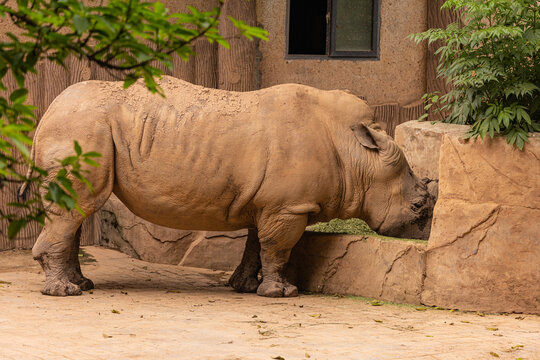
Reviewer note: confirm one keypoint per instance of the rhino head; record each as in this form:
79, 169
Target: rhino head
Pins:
396, 202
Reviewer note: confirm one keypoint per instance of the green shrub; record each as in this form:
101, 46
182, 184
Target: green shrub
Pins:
492, 62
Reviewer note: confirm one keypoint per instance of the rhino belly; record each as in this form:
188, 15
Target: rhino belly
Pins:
174, 200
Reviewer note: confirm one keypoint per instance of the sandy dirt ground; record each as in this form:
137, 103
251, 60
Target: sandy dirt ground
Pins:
149, 311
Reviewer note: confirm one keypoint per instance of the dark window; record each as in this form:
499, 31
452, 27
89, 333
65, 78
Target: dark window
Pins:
307, 27
333, 28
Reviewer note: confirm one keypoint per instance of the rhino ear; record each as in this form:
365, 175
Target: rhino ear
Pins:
367, 137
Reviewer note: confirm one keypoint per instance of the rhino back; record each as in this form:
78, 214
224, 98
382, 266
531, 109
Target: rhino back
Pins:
216, 158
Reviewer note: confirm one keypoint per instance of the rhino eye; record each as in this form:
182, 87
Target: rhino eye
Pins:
418, 204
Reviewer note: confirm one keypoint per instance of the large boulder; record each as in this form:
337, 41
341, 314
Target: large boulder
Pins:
421, 143
484, 248
383, 268
216, 250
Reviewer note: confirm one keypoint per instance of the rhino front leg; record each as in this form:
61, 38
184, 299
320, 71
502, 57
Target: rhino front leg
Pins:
278, 234
245, 278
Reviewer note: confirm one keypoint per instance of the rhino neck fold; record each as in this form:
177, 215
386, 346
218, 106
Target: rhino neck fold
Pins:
357, 168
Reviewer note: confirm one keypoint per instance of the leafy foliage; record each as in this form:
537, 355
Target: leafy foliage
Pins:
492, 62
130, 36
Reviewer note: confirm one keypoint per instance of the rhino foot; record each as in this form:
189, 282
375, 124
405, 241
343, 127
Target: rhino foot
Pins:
76, 277
242, 283
277, 289
85, 284
60, 288
245, 278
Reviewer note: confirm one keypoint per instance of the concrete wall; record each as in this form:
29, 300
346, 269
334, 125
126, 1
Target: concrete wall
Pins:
398, 77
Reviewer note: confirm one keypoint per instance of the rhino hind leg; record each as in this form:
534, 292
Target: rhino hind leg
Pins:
245, 278
54, 250
278, 234
75, 274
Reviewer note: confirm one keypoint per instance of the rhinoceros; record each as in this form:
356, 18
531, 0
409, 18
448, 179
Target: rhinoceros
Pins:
273, 160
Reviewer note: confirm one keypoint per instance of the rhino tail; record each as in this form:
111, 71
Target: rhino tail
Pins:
23, 190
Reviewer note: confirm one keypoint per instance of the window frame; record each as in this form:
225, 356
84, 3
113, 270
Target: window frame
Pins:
331, 52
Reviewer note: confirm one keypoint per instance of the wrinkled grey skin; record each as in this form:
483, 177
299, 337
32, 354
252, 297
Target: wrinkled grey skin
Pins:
274, 160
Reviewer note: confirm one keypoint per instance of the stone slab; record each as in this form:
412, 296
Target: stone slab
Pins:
484, 248
421, 143
216, 250
388, 269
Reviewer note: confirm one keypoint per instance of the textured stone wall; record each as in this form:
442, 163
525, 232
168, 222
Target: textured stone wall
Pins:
388, 269
484, 248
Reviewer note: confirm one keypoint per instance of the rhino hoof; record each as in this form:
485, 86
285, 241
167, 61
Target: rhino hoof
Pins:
247, 285
245, 280
244, 284
277, 289
290, 291
86, 284
61, 288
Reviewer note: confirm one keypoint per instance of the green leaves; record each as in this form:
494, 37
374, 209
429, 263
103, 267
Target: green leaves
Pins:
15, 226
18, 96
61, 190
518, 137
520, 90
249, 31
77, 148
492, 62
81, 24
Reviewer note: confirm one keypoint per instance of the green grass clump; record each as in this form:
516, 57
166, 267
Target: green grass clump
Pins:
338, 226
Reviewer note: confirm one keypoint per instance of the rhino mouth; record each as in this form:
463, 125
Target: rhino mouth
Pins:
418, 226
423, 221
424, 217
